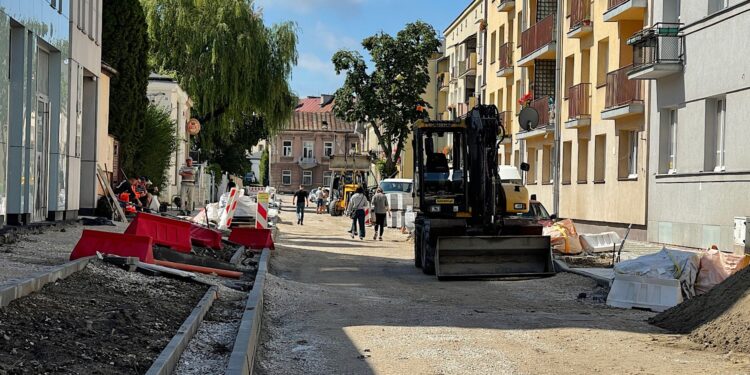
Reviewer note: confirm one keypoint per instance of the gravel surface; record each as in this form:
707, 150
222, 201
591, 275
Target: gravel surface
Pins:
34, 253
341, 306
101, 320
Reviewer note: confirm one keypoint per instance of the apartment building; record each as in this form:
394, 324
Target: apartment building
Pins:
299, 155
694, 57
464, 49
49, 91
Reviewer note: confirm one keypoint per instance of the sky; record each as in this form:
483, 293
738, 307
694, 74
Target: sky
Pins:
326, 26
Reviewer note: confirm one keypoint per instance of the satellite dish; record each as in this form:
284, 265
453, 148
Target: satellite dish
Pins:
528, 118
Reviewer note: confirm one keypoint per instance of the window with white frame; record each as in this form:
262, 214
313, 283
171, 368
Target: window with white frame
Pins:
716, 5
627, 163
308, 149
286, 177
720, 132
633, 154
286, 148
327, 178
328, 149
307, 178
672, 142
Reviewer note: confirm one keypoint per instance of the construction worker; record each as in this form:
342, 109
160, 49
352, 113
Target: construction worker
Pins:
187, 172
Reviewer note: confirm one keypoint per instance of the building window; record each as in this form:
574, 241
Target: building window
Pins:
308, 149
716, 5
531, 160
327, 178
328, 149
583, 161
287, 148
353, 148
672, 142
628, 155
286, 177
516, 159
547, 167
566, 162
600, 157
493, 47
720, 134
307, 178
261, 147
602, 64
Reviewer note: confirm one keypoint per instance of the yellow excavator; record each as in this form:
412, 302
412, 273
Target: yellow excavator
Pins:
348, 173
468, 223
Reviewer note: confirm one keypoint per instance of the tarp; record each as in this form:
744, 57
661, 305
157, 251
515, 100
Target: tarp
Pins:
715, 267
564, 237
666, 264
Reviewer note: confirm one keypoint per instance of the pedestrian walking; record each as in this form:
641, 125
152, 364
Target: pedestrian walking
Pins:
301, 200
356, 209
187, 185
380, 206
320, 207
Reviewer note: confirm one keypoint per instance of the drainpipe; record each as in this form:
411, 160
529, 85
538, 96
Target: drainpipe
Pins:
558, 109
484, 53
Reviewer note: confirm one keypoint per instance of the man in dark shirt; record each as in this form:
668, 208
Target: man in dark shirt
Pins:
301, 200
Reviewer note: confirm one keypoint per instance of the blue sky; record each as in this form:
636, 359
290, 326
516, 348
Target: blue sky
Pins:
329, 25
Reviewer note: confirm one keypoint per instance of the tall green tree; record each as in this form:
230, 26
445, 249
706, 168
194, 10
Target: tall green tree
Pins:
232, 65
263, 168
125, 48
387, 98
155, 150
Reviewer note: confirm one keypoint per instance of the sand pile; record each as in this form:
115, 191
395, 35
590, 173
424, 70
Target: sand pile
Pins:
719, 318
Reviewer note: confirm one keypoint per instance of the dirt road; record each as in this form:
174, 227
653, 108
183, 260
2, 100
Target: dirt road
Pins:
340, 306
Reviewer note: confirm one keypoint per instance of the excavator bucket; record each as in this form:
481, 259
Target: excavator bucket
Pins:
493, 256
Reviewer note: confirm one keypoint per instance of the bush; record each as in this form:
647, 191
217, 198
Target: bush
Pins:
157, 143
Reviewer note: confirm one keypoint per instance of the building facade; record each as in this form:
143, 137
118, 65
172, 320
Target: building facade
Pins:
165, 93
299, 155
694, 59
49, 94
464, 42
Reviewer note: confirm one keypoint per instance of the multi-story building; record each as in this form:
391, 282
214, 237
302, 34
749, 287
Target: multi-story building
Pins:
165, 93
299, 155
49, 93
464, 41
694, 56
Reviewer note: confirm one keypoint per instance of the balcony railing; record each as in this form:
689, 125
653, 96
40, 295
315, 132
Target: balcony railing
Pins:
616, 3
579, 101
580, 13
537, 36
468, 66
621, 90
505, 5
307, 163
659, 44
505, 56
542, 107
443, 80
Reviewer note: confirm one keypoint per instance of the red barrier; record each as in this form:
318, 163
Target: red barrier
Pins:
164, 231
205, 237
124, 245
252, 238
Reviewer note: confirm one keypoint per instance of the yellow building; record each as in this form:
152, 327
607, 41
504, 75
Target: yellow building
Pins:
464, 41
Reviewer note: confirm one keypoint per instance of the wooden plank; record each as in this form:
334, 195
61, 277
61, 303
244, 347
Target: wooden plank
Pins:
108, 188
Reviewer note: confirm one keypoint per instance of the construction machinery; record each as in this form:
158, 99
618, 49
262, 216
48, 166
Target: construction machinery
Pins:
468, 223
349, 172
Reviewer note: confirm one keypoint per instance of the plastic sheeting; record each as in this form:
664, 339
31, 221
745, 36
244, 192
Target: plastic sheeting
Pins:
715, 267
564, 237
666, 264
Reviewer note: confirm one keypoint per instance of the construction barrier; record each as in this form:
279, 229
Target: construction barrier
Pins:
124, 245
206, 237
253, 238
225, 221
261, 213
164, 231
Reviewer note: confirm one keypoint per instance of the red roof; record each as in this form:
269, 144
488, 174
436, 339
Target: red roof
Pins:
302, 121
312, 104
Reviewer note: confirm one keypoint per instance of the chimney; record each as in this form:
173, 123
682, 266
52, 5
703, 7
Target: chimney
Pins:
325, 99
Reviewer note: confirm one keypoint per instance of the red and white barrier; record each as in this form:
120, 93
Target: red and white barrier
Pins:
261, 213
227, 214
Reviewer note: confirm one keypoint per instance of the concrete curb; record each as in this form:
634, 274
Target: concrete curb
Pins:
601, 281
248, 336
167, 360
34, 283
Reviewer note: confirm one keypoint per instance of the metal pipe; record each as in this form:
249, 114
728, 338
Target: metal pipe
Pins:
558, 110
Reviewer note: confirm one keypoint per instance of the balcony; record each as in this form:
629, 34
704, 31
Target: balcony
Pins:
625, 10
580, 19
544, 127
506, 5
463, 108
308, 163
579, 106
538, 42
468, 67
505, 60
624, 96
657, 52
444, 79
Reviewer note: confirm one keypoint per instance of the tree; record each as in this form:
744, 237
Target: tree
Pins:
155, 150
125, 48
231, 152
388, 97
233, 67
263, 168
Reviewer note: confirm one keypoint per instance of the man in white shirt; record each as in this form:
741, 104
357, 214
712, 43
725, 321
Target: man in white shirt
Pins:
188, 184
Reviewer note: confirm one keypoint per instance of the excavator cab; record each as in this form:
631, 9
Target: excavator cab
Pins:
468, 223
